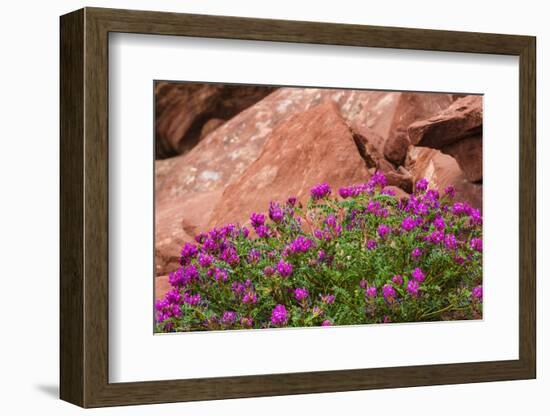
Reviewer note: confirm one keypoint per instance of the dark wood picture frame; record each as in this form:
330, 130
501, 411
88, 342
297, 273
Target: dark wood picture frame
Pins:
84, 207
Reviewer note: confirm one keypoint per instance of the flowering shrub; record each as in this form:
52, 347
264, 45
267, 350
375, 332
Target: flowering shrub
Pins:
362, 257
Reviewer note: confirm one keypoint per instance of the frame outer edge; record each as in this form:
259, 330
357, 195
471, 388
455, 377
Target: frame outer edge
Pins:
84, 233
528, 207
71, 319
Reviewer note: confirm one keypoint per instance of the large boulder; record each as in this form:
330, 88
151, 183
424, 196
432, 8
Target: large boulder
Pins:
456, 131
177, 221
311, 147
411, 107
221, 157
186, 111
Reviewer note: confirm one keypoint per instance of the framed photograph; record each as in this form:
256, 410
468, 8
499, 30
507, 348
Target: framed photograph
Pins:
255, 207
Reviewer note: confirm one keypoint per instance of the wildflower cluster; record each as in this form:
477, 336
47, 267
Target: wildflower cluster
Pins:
357, 256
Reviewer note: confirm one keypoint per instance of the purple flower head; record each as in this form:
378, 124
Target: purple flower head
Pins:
408, 223
363, 284
284, 269
370, 292
191, 299
300, 245
320, 191
188, 252
435, 237
328, 299
475, 217
371, 244
450, 191
412, 287
388, 192
269, 271
250, 297
257, 219
220, 275
377, 179
461, 208
388, 292
459, 260
275, 212
345, 192
262, 231
254, 255
416, 253
397, 279
209, 245
439, 223
279, 315
229, 317
476, 244
291, 201
422, 184
245, 231
383, 230
301, 293
321, 255
316, 311
326, 322
173, 296
205, 260
477, 293
418, 275
450, 241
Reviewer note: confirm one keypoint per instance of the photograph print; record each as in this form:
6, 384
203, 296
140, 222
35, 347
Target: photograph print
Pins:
293, 207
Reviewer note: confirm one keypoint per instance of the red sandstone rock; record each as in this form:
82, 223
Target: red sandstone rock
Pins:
311, 147
183, 109
221, 157
456, 131
161, 286
177, 221
468, 153
410, 108
462, 119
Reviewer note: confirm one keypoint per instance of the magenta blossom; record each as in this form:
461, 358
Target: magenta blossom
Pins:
326, 322
301, 293
477, 293
450, 241
416, 253
412, 287
418, 275
476, 244
422, 184
257, 219
279, 315
370, 292
320, 191
408, 223
383, 230
229, 317
388, 292
284, 269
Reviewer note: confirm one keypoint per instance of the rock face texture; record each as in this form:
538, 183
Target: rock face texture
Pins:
282, 143
411, 107
456, 131
187, 112
311, 147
